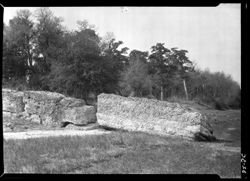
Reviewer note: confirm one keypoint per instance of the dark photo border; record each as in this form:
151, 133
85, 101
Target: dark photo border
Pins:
245, 92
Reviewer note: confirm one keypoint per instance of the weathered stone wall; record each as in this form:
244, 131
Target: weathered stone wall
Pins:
152, 116
47, 108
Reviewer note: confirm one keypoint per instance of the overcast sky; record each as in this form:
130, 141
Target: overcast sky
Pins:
212, 35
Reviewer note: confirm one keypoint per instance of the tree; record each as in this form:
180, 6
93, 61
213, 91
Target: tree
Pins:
49, 37
18, 44
118, 57
84, 24
73, 71
136, 80
105, 42
182, 65
12, 65
50, 45
159, 64
215, 89
82, 68
136, 54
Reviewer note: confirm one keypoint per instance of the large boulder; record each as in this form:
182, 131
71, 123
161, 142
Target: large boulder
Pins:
152, 116
47, 108
79, 115
9, 118
72, 102
12, 101
43, 106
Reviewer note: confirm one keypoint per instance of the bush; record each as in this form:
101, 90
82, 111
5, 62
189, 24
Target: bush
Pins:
215, 89
15, 84
220, 105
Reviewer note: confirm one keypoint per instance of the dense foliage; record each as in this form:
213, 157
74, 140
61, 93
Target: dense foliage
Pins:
41, 54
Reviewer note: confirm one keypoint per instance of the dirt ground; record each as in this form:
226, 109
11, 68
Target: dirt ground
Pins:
49, 133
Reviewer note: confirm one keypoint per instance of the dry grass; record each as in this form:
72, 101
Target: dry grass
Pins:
118, 152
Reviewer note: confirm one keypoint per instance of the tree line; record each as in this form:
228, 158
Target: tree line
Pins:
39, 53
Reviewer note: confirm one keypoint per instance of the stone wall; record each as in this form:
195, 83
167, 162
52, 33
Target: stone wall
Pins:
47, 108
152, 116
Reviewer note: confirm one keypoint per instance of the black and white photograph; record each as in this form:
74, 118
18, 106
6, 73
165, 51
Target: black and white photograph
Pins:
122, 90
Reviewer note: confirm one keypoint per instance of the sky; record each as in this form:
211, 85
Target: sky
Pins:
212, 35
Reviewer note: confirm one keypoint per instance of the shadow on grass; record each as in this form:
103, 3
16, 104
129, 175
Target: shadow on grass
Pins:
114, 129
222, 141
198, 137
201, 138
109, 128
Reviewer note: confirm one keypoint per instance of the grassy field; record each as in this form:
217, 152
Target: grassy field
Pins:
131, 152
118, 152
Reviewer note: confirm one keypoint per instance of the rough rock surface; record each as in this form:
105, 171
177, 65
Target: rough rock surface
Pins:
12, 101
152, 116
42, 106
47, 108
79, 115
